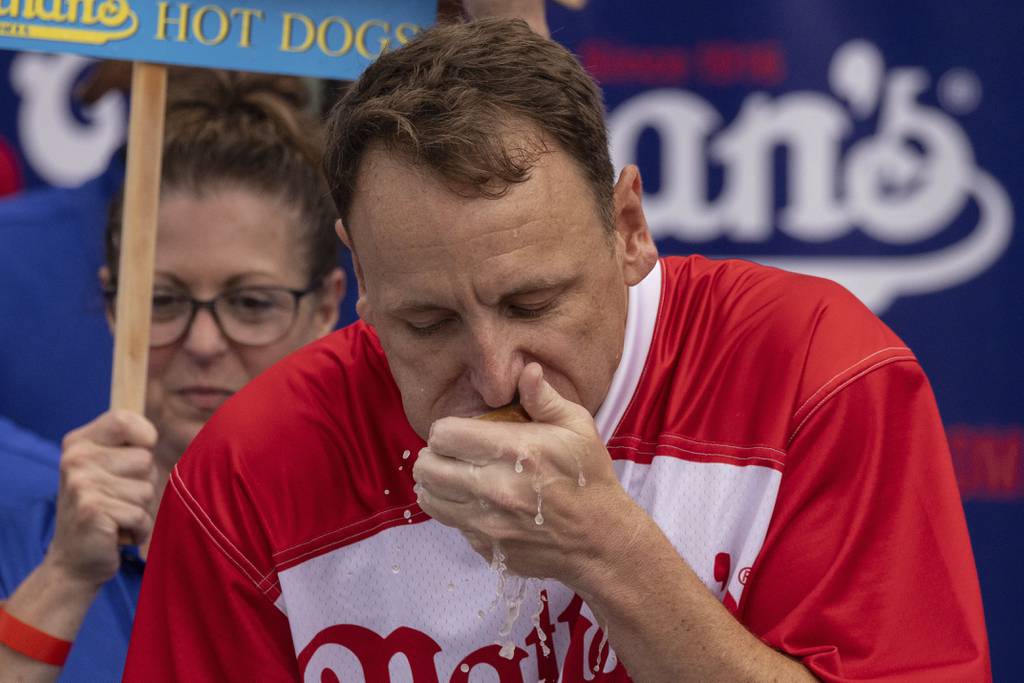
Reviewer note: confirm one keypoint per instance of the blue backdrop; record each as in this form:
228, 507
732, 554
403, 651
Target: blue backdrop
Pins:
868, 141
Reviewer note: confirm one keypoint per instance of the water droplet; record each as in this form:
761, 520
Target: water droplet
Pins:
406, 454
395, 568
519, 467
480, 614
407, 514
539, 519
541, 636
464, 668
483, 504
387, 492
582, 481
601, 647
451, 587
401, 467
596, 668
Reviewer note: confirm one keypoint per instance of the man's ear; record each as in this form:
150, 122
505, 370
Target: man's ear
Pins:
635, 244
106, 279
346, 239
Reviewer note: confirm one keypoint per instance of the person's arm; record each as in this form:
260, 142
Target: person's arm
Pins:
592, 539
107, 483
668, 627
866, 572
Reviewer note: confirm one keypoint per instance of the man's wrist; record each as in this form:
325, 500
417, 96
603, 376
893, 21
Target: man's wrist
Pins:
613, 552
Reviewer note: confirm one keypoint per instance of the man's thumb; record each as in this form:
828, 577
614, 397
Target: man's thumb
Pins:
542, 402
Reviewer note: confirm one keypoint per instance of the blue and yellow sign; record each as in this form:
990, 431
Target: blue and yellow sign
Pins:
324, 38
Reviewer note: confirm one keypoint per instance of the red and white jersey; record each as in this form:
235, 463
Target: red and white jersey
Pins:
782, 437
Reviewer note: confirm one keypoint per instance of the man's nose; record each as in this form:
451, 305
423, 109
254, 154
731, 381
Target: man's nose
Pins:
495, 366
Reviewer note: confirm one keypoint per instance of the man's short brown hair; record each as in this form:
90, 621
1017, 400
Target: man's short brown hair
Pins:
456, 99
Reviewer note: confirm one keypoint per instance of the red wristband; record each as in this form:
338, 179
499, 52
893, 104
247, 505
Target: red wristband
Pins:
32, 642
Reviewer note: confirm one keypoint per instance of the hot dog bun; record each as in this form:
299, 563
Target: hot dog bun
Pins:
513, 412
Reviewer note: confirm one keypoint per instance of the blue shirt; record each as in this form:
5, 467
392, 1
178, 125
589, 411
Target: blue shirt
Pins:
28, 496
55, 342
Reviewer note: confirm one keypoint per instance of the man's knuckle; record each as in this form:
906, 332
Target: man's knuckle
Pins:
510, 450
504, 499
438, 430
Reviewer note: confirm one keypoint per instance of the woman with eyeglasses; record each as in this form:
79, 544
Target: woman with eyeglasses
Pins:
245, 273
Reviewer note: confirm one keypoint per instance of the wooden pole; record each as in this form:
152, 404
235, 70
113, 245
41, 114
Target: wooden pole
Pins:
138, 240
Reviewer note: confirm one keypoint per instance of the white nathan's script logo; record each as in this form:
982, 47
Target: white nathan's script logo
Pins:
904, 184
61, 149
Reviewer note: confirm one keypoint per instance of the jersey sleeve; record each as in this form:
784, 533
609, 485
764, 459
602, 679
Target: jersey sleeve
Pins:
206, 611
866, 572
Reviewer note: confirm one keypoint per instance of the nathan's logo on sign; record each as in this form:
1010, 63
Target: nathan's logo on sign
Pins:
87, 22
322, 38
909, 188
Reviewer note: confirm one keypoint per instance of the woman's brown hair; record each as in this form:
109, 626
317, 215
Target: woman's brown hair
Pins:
250, 130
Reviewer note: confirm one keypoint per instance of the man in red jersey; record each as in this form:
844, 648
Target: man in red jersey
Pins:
731, 472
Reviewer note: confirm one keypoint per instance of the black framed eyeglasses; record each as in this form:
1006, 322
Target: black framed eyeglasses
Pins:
249, 316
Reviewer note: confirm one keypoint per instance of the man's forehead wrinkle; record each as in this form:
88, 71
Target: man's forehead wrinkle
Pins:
507, 228
397, 192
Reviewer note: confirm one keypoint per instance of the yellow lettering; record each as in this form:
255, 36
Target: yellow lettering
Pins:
286, 32
88, 12
406, 32
247, 14
222, 30
11, 9
163, 20
37, 10
114, 12
71, 14
361, 38
321, 36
